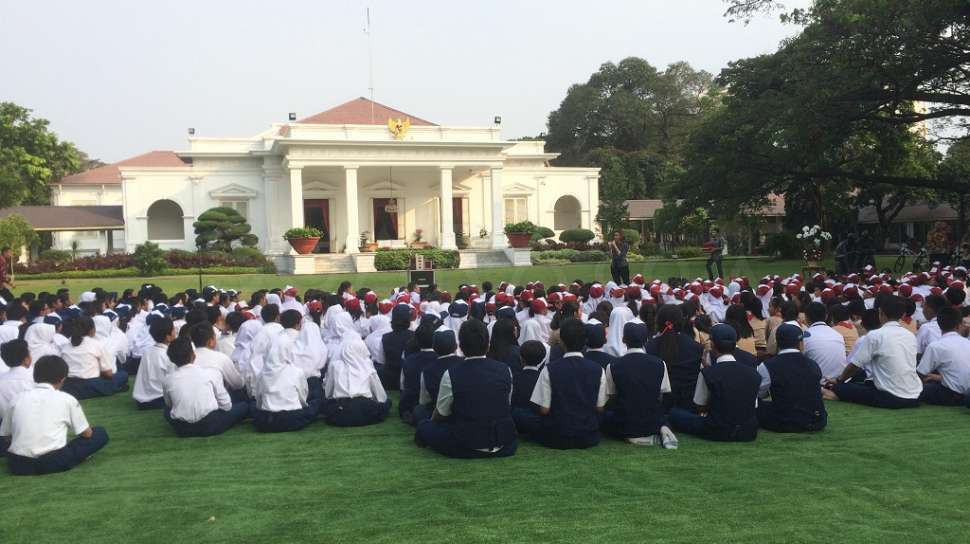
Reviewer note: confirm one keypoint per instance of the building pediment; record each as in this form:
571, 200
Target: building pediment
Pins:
518, 189
233, 190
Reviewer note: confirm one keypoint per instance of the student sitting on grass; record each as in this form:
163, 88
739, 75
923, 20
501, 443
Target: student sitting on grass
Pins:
206, 356
636, 383
354, 395
197, 403
570, 395
595, 342
445, 346
154, 366
889, 354
412, 367
472, 418
17, 379
726, 395
92, 368
533, 353
792, 379
282, 402
36, 427
945, 366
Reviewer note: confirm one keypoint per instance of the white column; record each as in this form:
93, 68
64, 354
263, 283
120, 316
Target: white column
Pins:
447, 238
296, 198
350, 200
498, 216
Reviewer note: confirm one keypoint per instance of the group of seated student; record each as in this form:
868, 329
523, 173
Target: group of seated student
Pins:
561, 366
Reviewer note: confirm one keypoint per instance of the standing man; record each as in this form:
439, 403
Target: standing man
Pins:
6, 274
619, 267
716, 244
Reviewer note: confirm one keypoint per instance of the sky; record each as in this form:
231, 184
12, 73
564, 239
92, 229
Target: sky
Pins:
122, 78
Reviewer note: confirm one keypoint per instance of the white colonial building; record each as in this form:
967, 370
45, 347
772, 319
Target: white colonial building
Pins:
358, 172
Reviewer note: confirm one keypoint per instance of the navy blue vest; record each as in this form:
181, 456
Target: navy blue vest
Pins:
575, 383
525, 384
637, 377
795, 396
480, 411
433, 372
741, 356
684, 371
411, 369
731, 409
394, 344
600, 357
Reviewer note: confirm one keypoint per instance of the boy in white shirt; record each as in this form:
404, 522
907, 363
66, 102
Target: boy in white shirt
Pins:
197, 404
16, 357
206, 356
945, 366
154, 366
37, 424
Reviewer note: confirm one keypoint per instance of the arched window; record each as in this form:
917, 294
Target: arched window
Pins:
165, 221
567, 213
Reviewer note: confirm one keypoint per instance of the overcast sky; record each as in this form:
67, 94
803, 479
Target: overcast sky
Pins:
122, 78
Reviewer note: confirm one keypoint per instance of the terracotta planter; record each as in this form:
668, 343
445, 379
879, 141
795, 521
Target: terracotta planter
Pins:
519, 240
304, 246
370, 247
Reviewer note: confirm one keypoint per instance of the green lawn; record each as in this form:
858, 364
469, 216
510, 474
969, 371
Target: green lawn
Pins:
382, 282
873, 476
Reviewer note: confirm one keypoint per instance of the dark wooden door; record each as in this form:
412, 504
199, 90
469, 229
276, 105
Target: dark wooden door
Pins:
385, 222
316, 213
458, 215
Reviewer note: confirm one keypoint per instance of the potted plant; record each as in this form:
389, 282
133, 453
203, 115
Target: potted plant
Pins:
520, 234
813, 240
365, 244
417, 243
303, 240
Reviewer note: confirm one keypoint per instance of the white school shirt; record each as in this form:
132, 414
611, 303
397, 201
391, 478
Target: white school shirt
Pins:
889, 354
226, 344
826, 347
154, 366
14, 382
282, 389
193, 392
38, 422
220, 362
87, 360
949, 357
611, 385
927, 334
542, 394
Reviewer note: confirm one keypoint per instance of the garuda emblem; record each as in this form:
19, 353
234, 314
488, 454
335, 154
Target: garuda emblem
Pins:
399, 127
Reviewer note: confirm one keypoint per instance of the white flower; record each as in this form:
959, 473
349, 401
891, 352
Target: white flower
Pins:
799, 236
816, 227
805, 229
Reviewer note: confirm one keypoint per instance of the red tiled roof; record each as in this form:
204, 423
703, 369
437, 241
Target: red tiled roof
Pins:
110, 174
359, 111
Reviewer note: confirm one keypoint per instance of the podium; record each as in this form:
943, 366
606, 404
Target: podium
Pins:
421, 271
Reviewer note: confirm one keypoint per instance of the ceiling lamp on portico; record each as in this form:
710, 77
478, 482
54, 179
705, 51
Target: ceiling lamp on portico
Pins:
391, 206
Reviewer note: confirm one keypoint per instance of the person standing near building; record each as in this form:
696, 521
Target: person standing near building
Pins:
6, 274
620, 267
717, 245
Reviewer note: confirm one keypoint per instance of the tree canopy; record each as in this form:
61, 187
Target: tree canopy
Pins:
218, 228
31, 156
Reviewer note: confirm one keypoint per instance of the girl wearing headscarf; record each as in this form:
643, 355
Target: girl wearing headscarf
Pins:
619, 317
380, 324
457, 314
354, 394
282, 391
309, 354
40, 340
244, 342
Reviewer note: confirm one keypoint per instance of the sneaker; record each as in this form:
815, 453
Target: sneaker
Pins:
643, 440
668, 438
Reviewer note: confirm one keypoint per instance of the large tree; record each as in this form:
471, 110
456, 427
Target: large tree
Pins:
31, 156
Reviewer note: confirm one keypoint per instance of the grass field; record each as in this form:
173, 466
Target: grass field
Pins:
382, 282
873, 476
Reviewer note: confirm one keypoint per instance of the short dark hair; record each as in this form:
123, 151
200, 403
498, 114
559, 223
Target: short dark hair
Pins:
50, 369
160, 328
290, 318
424, 335
955, 296
935, 302
893, 307
15, 312
235, 320
815, 312
870, 319
213, 313
473, 338
839, 313
269, 313
201, 334
532, 352
180, 351
948, 319
14, 352
789, 344
572, 333
789, 311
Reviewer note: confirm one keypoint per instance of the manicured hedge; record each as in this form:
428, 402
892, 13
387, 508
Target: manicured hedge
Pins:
399, 259
131, 272
175, 258
581, 236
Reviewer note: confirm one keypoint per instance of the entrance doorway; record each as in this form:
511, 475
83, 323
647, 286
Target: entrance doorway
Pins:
459, 216
385, 222
316, 214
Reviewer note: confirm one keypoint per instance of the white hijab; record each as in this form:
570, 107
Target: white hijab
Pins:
274, 365
40, 341
244, 341
351, 372
309, 352
620, 316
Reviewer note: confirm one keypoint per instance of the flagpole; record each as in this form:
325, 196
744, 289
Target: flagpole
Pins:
370, 66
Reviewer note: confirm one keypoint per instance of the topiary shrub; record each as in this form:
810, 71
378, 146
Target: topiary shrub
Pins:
632, 237
541, 233
527, 227
576, 236
217, 228
149, 259
399, 259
